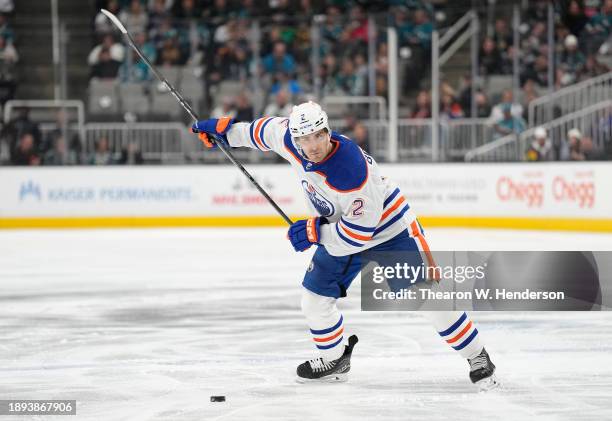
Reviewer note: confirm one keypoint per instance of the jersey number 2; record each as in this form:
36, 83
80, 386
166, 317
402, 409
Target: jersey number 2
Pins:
356, 207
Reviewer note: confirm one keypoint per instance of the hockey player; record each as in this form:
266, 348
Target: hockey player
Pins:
357, 209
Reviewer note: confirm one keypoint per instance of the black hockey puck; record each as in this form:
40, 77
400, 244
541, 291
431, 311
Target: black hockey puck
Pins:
217, 398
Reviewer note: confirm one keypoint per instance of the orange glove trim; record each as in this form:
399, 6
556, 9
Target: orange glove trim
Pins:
311, 231
205, 140
222, 124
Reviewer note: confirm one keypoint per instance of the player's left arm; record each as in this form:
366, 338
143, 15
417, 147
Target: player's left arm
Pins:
264, 134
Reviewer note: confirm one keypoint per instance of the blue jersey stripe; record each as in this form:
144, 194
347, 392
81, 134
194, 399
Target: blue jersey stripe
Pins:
351, 242
251, 135
390, 198
261, 135
332, 345
357, 227
392, 220
454, 326
467, 341
328, 330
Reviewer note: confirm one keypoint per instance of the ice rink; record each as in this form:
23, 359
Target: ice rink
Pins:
148, 324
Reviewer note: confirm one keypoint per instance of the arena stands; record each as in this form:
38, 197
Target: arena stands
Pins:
244, 58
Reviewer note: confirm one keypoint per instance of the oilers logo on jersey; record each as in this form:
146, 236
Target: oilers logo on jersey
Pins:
321, 204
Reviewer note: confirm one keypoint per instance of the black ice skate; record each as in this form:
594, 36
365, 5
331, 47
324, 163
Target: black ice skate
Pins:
482, 371
330, 371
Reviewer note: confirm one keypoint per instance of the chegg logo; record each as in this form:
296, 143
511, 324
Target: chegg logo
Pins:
530, 192
582, 192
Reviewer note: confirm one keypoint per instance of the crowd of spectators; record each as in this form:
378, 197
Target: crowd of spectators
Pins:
62, 145
273, 54
509, 116
582, 35
220, 35
8, 53
573, 146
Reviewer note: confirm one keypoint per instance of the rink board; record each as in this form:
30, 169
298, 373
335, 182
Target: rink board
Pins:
552, 196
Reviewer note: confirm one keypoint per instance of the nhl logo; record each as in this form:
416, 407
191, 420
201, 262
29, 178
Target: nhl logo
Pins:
310, 266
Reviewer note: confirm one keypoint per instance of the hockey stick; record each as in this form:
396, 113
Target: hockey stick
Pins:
188, 108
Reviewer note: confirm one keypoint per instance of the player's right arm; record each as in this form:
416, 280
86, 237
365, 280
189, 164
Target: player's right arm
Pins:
264, 134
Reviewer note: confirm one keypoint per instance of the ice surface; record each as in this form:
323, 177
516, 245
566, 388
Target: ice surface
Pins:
147, 324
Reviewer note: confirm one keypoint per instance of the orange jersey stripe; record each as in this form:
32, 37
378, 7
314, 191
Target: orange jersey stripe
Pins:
425, 247
416, 233
456, 338
257, 138
392, 208
329, 338
355, 236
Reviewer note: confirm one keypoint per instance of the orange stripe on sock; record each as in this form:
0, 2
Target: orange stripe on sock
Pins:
456, 338
329, 338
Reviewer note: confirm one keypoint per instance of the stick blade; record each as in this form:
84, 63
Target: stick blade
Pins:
115, 20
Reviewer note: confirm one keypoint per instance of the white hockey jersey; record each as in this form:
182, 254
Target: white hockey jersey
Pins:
363, 207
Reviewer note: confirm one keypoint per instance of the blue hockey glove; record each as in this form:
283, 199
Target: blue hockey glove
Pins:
217, 127
304, 233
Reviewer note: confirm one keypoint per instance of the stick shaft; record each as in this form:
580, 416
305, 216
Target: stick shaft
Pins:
193, 115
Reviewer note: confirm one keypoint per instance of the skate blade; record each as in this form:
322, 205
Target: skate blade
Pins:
487, 384
332, 378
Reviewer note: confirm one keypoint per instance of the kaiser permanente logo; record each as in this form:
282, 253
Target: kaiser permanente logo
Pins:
30, 190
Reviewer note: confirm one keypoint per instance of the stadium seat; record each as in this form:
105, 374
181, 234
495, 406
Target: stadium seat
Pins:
134, 98
495, 84
228, 88
192, 86
172, 74
103, 98
164, 102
